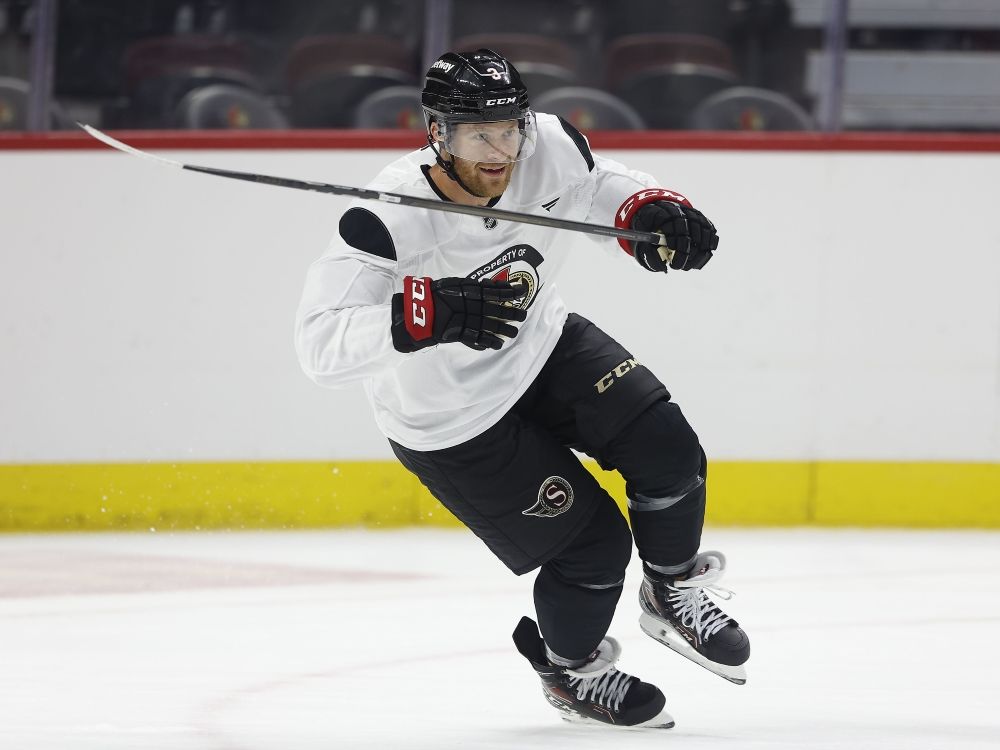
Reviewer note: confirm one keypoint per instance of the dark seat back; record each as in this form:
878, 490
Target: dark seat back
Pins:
392, 107
749, 108
665, 76
589, 109
331, 74
224, 106
160, 71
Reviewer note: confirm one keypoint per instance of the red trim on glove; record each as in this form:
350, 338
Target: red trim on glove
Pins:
623, 219
418, 307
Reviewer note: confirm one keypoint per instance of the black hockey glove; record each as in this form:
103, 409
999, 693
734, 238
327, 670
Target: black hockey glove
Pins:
430, 312
690, 237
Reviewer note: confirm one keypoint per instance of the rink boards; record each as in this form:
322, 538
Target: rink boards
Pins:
839, 359
382, 494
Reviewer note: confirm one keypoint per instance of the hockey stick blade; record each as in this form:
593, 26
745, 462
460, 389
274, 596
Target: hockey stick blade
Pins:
397, 198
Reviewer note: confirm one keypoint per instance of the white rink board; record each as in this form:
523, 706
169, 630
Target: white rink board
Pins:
853, 311
860, 641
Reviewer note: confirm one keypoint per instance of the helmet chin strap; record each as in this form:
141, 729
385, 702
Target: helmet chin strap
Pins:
448, 167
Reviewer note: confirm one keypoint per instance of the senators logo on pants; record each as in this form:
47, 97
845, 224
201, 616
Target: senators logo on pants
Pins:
555, 497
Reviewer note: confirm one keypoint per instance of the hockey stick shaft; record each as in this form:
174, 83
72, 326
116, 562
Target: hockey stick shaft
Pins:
396, 198
436, 205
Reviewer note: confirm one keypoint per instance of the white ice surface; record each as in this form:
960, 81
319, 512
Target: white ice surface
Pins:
294, 641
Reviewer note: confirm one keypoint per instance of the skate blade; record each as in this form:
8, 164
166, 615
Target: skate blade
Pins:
662, 720
674, 641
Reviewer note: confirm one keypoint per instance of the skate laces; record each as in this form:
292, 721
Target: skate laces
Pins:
609, 689
599, 681
690, 602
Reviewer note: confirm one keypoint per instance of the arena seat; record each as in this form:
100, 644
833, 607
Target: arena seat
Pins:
160, 71
331, 74
589, 109
224, 106
392, 107
750, 108
665, 76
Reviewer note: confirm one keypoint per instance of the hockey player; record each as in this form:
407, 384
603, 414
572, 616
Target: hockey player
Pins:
483, 382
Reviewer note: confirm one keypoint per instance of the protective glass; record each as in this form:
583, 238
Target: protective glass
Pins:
498, 142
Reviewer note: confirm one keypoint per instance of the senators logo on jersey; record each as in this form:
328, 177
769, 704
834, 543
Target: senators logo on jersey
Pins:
517, 265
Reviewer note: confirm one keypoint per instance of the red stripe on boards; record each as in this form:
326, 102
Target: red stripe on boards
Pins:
401, 140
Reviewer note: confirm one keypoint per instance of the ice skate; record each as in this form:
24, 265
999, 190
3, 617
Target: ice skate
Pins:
678, 613
597, 692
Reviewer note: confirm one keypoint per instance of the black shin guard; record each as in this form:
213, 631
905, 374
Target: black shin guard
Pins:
664, 467
668, 530
573, 618
576, 593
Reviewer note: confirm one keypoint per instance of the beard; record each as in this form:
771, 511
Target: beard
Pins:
484, 179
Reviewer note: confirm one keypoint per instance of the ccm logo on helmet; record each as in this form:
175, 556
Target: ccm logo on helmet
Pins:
497, 102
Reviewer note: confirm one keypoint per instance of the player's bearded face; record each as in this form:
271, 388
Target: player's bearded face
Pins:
484, 155
484, 179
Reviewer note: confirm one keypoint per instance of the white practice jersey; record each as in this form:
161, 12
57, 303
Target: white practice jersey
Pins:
446, 394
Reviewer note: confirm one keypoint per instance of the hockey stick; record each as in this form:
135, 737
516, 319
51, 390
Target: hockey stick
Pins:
397, 198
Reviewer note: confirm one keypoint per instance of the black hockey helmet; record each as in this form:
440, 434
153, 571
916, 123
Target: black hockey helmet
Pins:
477, 87
480, 86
